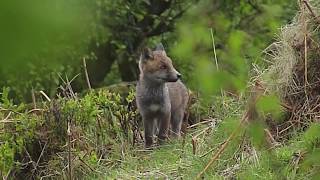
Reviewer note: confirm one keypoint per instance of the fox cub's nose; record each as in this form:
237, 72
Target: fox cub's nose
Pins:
179, 75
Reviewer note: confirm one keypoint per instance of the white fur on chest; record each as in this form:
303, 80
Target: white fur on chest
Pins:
154, 107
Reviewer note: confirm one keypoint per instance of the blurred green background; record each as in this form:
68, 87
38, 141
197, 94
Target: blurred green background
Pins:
41, 41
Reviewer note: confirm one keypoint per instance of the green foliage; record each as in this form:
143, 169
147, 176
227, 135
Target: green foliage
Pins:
241, 31
99, 121
6, 158
257, 134
17, 127
39, 40
42, 40
270, 105
37, 26
311, 138
5, 101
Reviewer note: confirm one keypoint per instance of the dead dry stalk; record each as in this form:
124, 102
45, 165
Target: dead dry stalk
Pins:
216, 59
69, 152
86, 73
305, 32
311, 11
205, 121
45, 95
33, 99
39, 158
194, 139
214, 49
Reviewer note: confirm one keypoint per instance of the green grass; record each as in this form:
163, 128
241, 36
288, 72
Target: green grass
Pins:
174, 160
240, 160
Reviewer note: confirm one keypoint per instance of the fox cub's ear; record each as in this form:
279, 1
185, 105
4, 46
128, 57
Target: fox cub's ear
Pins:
160, 47
146, 54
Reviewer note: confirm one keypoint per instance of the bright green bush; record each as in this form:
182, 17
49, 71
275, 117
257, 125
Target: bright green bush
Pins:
98, 121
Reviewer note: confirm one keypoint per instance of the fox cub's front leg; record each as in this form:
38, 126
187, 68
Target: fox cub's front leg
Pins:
163, 128
148, 131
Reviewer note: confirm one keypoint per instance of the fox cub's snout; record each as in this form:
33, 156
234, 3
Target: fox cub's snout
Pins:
157, 66
161, 97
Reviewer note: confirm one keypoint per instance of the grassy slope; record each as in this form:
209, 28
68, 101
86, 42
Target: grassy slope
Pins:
246, 156
173, 160
243, 158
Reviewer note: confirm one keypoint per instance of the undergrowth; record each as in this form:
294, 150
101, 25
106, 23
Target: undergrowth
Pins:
34, 144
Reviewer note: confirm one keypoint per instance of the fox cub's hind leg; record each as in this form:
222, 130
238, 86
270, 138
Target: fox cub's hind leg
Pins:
176, 123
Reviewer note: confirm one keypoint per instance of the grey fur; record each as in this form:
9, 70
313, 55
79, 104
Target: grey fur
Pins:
161, 103
159, 47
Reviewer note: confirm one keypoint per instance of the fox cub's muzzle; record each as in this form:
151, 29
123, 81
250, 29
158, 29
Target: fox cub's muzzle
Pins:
179, 76
175, 77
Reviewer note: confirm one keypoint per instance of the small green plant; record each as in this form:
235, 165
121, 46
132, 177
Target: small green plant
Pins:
101, 123
17, 128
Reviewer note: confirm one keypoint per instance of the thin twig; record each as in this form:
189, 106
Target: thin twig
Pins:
305, 60
32, 162
35, 110
7, 117
214, 49
194, 142
5, 177
33, 99
305, 55
41, 154
86, 73
311, 11
70, 87
216, 61
44, 94
270, 138
201, 122
69, 152
203, 131
86, 164
212, 149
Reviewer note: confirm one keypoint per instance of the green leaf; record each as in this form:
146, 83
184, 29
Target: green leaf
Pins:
270, 105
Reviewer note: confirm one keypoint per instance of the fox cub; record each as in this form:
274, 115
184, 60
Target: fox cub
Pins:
161, 97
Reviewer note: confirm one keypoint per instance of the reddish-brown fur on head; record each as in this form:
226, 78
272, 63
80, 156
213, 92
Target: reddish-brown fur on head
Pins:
156, 62
157, 66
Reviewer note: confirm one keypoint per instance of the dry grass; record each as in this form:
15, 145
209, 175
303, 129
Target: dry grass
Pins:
294, 72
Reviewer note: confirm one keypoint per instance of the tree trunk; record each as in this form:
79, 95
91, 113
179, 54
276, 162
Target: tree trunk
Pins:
99, 68
128, 69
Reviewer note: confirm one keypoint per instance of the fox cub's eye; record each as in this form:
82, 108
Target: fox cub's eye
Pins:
163, 66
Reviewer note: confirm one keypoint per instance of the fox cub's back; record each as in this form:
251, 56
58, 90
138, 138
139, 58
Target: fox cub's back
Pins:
178, 94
